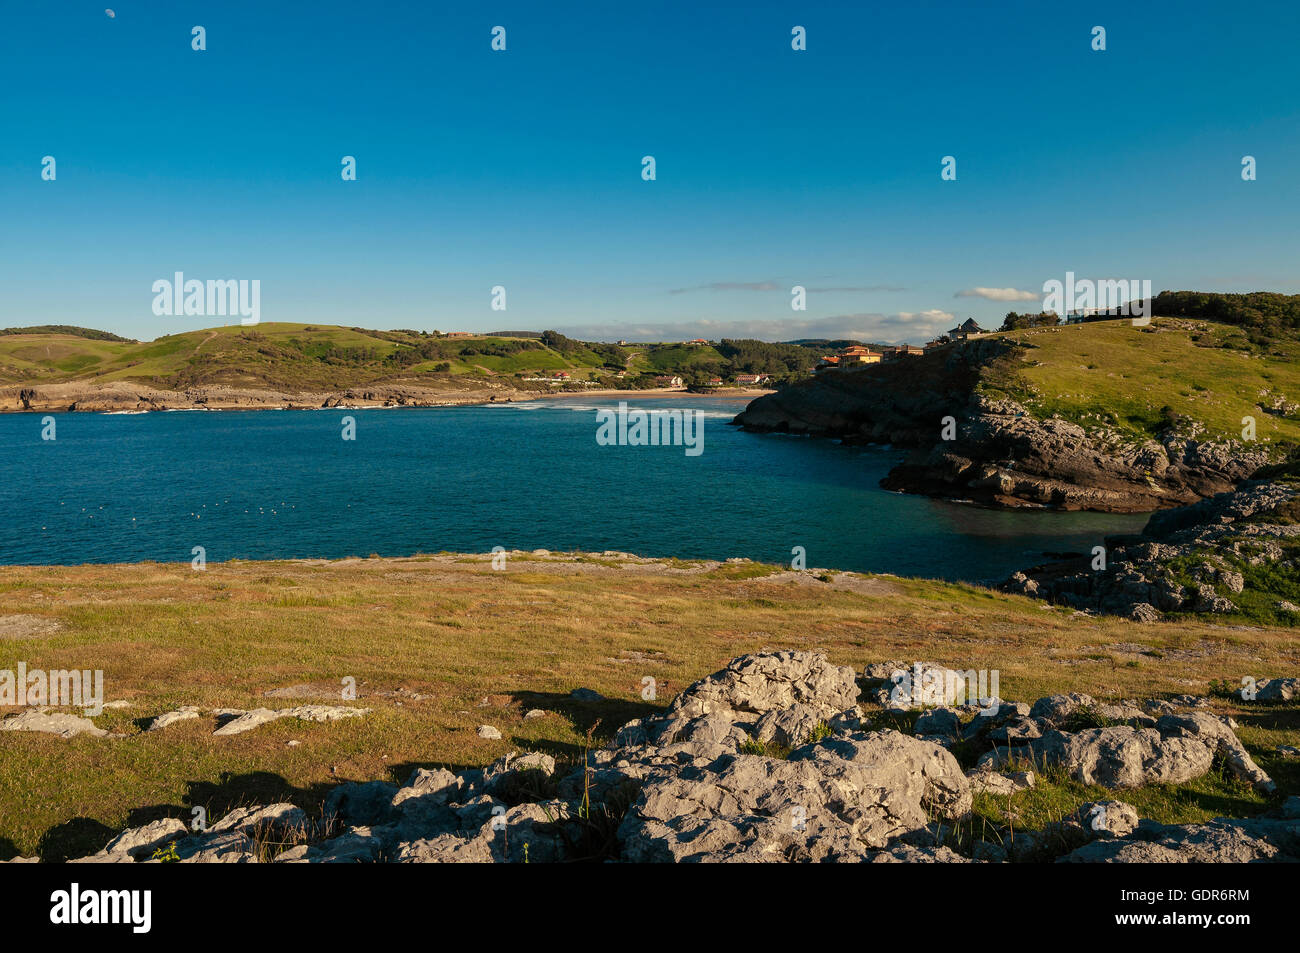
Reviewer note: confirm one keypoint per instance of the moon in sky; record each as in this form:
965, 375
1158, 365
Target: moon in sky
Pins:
111, 14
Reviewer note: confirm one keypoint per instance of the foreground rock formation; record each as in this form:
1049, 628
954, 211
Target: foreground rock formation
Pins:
772, 759
1192, 559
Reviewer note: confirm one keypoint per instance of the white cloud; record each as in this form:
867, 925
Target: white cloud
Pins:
998, 294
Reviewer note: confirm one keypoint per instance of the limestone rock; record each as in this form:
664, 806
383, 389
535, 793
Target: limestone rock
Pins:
248, 720
1278, 690
991, 782
1108, 818
143, 841
834, 799
51, 722
769, 682
184, 713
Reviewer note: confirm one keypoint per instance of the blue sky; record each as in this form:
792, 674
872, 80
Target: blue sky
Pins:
523, 169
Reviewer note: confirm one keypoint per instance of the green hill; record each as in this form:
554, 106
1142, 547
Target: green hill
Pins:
287, 357
1103, 416
1141, 381
278, 356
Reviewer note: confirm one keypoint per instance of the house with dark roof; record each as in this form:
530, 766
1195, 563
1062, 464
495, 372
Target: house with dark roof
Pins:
967, 329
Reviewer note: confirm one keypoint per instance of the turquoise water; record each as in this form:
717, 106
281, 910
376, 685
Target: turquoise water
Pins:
283, 484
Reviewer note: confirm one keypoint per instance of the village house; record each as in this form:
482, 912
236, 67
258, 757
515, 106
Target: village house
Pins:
752, 378
665, 380
967, 329
825, 364
936, 344
903, 350
858, 356
459, 334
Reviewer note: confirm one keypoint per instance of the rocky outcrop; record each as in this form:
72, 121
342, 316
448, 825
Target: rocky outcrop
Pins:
709, 779
777, 681
1274, 690
1272, 838
237, 722
1190, 559
51, 722
996, 452
1003, 455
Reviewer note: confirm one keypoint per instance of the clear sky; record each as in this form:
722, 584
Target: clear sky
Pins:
522, 168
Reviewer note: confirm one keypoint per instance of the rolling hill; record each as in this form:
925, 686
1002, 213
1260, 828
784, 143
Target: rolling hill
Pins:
1103, 415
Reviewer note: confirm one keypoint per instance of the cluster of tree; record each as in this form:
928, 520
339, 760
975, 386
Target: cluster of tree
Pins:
780, 361
426, 349
611, 355
499, 348
1043, 319
430, 348
88, 333
827, 346
558, 342
747, 356
333, 354
326, 352
1262, 314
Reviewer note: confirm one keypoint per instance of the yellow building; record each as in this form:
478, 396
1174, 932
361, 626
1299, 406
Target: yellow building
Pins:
858, 355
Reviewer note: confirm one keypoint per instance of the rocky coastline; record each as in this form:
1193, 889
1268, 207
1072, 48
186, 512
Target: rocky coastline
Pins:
1205, 558
126, 397
967, 445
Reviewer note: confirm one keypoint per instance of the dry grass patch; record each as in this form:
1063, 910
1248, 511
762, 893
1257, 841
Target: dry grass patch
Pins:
428, 639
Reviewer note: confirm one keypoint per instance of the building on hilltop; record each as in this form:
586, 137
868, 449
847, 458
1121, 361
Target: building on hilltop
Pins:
967, 329
858, 356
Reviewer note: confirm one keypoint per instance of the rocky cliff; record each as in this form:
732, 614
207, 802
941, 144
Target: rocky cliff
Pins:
973, 443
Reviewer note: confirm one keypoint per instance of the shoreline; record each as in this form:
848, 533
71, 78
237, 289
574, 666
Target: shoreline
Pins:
125, 398
725, 393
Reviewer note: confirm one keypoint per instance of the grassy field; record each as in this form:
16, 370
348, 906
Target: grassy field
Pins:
273, 355
1138, 379
439, 645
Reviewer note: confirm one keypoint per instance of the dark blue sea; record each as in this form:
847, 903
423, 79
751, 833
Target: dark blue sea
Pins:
284, 484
